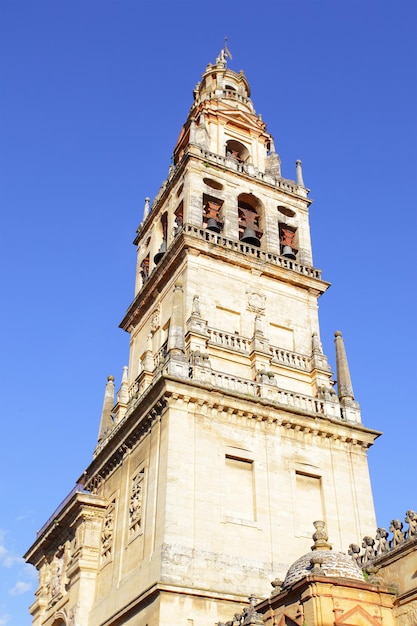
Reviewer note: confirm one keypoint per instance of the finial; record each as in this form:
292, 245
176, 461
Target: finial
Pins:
299, 173
344, 384
196, 306
123, 395
146, 208
106, 422
317, 349
176, 341
320, 537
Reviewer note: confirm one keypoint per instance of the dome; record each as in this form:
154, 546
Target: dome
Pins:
327, 563
322, 561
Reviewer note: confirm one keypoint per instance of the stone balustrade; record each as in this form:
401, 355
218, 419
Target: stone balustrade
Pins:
160, 356
285, 357
225, 93
249, 170
240, 246
257, 389
223, 161
384, 541
229, 340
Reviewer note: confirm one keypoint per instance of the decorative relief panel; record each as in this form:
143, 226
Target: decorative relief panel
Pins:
108, 531
256, 301
135, 504
155, 320
56, 575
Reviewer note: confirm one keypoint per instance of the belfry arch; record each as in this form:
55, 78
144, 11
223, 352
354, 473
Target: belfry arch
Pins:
237, 151
250, 217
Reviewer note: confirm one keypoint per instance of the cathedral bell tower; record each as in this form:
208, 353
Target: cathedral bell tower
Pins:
226, 439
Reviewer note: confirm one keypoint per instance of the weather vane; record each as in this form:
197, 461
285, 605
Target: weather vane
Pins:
226, 50
224, 54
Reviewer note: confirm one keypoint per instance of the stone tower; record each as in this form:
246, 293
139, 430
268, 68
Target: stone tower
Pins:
226, 439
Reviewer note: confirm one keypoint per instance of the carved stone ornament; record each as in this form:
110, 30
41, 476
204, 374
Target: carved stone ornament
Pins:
156, 320
248, 617
56, 570
135, 504
108, 529
374, 548
256, 301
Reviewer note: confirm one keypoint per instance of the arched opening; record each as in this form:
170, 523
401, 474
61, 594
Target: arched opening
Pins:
250, 212
288, 241
163, 247
237, 151
212, 219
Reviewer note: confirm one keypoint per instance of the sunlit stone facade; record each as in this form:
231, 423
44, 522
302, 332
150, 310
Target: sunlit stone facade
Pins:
226, 439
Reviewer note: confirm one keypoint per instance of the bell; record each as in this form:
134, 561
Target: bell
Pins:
158, 256
212, 225
287, 251
249, 237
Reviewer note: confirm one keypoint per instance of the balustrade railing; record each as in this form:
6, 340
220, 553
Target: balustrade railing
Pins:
285, 357
160, 356
240, 246
257, 389
251, 171
229, 340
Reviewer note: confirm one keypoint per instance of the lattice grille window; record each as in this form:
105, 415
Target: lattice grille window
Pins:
135, 504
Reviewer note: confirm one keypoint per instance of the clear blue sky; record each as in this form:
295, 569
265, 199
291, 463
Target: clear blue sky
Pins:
93, 96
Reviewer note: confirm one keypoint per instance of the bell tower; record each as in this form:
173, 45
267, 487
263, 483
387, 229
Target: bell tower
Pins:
226, 439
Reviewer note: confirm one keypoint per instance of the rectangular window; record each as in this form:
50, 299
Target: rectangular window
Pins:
309, 502
239, 489
227, 320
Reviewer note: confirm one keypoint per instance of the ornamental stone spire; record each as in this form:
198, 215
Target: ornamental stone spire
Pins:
123, 395
344, 384
299, 173
106, 422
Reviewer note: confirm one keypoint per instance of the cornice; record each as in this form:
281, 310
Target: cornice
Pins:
238, 408
229, 406
57, 529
